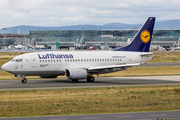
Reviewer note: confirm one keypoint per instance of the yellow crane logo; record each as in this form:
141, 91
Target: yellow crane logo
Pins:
145, 36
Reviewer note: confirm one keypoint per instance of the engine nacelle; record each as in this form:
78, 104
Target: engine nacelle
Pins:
76, 73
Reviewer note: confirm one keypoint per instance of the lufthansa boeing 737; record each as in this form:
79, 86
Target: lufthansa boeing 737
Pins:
77, 65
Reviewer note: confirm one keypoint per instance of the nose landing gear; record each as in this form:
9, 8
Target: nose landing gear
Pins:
24, 80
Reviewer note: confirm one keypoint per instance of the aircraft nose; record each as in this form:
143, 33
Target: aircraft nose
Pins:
6, 67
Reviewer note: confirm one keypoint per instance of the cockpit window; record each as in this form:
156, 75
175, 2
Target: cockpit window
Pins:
16, 60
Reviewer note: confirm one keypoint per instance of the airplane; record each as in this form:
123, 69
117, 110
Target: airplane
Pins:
19, 47
16, 47
76, 65
39, 47
92, 48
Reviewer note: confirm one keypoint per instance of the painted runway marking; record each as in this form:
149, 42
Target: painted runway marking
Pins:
59, 119
159, 115
124, 116
90, 118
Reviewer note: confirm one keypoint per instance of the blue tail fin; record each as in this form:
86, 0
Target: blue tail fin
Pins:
142, 40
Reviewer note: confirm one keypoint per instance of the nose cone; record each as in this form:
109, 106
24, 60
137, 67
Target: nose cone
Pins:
6, 67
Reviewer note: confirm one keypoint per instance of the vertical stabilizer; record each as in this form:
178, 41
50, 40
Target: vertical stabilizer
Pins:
142, 40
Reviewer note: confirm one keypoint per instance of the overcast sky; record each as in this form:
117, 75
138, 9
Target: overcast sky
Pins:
79, 12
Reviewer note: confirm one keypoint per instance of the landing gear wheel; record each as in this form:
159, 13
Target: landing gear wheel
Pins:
24, 80
90, 79
74, 80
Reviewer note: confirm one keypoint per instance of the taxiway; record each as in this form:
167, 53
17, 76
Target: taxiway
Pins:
159, 115
36, 84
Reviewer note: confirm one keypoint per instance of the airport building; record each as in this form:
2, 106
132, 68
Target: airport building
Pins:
78, 38
60, 38
13, 39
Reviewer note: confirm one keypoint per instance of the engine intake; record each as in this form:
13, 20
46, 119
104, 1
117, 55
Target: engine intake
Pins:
76, 73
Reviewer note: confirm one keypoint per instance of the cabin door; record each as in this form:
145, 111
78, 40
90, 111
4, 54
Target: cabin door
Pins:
129, 59
33, 61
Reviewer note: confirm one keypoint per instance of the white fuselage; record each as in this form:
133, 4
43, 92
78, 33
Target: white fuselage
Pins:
55, 62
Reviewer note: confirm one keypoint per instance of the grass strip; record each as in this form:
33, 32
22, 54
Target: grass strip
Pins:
88, 101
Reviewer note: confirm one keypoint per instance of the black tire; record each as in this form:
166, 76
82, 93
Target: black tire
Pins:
90, 79
24, 80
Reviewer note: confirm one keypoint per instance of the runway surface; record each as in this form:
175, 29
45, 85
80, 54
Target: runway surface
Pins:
35, 84
164, 115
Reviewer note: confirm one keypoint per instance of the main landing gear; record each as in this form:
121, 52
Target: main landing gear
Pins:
90, 78
24, 80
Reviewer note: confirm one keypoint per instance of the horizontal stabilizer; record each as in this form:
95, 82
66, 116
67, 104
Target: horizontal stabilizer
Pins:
149, 54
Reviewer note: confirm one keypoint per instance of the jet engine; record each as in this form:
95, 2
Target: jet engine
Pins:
76, 73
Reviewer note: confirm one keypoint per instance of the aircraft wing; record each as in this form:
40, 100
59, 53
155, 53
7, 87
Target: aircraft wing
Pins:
111, 68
